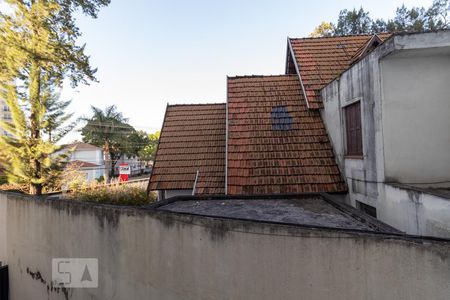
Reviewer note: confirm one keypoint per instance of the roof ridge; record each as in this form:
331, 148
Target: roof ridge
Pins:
260, 76
189, 104
79, 143
339, 36
83, 163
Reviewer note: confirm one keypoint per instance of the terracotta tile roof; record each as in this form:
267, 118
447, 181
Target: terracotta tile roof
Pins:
82, 164
267, 155
81, 146
192, 138
321, 60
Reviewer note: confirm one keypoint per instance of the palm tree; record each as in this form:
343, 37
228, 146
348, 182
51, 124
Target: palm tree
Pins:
106, 129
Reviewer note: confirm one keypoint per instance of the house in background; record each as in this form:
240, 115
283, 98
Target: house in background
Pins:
137, 166
367, 113
88, 158
91, 171
5, 114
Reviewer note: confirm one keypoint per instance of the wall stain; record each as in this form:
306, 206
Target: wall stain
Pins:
50, 288
414, 196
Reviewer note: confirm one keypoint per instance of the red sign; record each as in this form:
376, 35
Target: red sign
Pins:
124, 171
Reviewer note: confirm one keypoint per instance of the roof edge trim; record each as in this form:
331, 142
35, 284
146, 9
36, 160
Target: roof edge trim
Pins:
197, 104
157, 149
297, 69
226, 139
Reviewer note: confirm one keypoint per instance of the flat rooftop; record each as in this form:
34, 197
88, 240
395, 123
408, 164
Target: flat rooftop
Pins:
307, 210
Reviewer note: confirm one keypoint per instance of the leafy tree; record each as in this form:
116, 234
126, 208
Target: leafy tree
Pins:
415, 19
438, 15
38, 51
353, 22
409, 19
324, 29
136, 143
149, 151
379, 25
109, 130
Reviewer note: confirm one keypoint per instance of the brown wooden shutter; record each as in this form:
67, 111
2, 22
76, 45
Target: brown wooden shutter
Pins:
353, 129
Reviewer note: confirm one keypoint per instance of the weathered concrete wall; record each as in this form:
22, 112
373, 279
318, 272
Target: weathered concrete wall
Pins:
405, 106
416, 116
360, 83
159, 255
417, 212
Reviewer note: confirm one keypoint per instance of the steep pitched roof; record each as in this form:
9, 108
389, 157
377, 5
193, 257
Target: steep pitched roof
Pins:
366, 48
275, 144
320, 60
81, 146
192, 138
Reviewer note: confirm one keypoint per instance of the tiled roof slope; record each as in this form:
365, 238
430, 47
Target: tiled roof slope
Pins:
321, 60
82, 164
81, 146
192, 138
266, 161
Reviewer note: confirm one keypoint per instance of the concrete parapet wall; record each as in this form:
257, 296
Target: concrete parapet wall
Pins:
152, 254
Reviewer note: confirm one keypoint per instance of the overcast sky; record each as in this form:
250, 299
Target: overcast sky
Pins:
150, 53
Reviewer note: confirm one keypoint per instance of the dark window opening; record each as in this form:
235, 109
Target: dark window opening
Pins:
353, 129
281, 119
290, 68
370, 210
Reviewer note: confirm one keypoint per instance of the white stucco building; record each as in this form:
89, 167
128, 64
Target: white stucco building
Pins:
5, 113
88, 158
400, 94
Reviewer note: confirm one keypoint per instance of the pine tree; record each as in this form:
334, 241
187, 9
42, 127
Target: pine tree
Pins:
38, 51
55, 117
19, 150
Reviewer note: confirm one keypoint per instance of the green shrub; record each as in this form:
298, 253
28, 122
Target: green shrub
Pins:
3, 179
116, 194
101, 179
